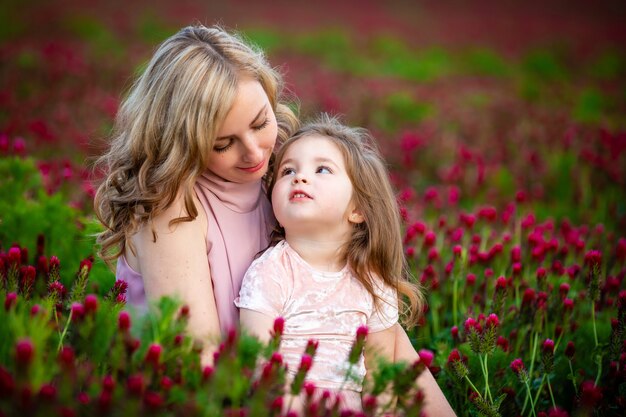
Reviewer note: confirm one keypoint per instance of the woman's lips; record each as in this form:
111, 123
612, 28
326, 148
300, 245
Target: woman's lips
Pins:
254, 168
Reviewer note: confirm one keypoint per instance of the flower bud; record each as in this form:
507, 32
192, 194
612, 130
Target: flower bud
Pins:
279, 326
570, 350
66, 357
14, 257
91, 304
548, 346
24, 352
306, 362
135, 384
517, 366
123, 321
426, 356
78, 311
10, 300
153, 355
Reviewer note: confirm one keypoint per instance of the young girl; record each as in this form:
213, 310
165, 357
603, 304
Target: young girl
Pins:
339, 263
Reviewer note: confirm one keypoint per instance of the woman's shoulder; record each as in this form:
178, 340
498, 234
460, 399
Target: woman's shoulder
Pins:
165, 225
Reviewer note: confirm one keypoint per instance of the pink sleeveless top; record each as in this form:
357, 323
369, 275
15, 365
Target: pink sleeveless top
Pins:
240, 220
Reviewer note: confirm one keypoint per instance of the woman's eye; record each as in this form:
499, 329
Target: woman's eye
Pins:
262, 125
287, 171
323, 170
223, 146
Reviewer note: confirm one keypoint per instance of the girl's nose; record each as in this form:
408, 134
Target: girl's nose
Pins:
299, 178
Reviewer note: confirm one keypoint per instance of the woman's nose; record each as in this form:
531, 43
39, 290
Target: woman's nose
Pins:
252, 151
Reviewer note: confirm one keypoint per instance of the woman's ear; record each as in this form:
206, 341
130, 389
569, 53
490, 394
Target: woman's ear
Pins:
356, 217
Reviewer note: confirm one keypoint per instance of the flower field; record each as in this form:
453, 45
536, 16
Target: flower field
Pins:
504, 126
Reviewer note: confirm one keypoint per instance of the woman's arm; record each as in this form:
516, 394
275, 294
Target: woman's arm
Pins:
435, 403
176, 265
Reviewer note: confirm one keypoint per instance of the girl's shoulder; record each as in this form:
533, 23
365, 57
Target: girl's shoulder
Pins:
273, 256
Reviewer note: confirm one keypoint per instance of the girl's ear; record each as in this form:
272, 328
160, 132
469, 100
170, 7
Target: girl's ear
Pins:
356, 217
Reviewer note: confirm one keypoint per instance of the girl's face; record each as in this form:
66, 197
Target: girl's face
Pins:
246, 139
312, 195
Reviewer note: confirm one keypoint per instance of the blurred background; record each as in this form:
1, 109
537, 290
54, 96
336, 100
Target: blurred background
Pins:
474, 103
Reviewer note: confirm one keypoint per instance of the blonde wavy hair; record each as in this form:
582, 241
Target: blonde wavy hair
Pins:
375, 247
165, 129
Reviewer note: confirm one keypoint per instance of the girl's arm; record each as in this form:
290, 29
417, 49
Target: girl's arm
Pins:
176, 265
435, 403
256, 324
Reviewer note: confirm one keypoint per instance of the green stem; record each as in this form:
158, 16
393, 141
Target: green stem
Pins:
532, 365
487, 388
540, 388
529, 396
455, 301
599, 358
593, 320
571, 372
472, 385
67, 325
551, 394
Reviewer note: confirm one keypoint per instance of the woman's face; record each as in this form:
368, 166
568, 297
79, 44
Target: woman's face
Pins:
246, 139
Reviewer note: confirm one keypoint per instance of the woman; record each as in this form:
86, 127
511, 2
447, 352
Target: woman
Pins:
183, 200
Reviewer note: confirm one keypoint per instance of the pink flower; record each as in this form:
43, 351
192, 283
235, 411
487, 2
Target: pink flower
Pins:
91, 303
14, 257
454, 356
593, 258
568, 304
516, 254
207, 372
361, 333
66, 357
492, 321
548, 346
454, 331
24, 352
48, 392
503, 343
501, 283
429, 239
570, 349
306, 361
426, 356
108, 383
470, 279
529, 296
590, 394
135, 384
78, 311
517, 366
10, 300
276, 358
153, 400
471, 325
488, 213
154, 354
279, 326
123, 321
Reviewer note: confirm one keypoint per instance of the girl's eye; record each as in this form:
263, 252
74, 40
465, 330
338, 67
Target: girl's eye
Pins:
223, 146
262, 125
323, 170
287, 171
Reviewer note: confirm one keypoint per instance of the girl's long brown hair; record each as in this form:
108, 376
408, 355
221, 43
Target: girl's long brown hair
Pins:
375, 247
166, 127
